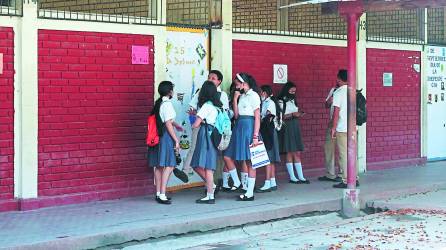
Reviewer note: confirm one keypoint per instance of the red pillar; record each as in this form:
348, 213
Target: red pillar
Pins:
351, 12
352, 24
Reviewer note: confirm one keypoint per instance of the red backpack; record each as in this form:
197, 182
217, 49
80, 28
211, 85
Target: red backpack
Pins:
152, 132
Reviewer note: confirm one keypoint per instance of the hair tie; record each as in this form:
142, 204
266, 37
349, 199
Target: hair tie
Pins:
240, 78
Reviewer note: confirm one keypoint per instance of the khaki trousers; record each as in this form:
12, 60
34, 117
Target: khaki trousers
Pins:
329, 150
341, 144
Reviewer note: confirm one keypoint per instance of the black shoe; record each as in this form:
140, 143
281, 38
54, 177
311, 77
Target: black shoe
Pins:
181, 175
340, 185
245, 198
325, 178
338, 179
226, 190
294, 182
165, 202
210, 201
273, 188
304, 182
357, 183
258, 190
168, 198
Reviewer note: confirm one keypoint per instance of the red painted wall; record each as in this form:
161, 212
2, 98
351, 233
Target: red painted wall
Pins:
312, 68
93, 105
393, 126
7, 115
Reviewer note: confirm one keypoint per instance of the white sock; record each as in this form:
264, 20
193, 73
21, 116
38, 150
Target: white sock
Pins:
273, 182
162, 197
299, 171
290, 168
211, 196
267, 185
251, 183
226, 179
234, 177
244, 180
214, 186
157, 194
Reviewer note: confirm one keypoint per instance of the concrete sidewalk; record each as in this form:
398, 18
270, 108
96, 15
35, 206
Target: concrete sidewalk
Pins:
107, 223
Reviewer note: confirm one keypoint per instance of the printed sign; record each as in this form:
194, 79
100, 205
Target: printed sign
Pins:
1, 63
280, 73
140, 54
387, 79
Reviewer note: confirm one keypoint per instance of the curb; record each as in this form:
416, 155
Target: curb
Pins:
142, 233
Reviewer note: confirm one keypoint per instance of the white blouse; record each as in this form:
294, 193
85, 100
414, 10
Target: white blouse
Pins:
248, 103
291, 107
268, 105
167, 111
208, 112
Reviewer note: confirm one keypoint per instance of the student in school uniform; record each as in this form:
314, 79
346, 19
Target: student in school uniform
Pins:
290, 137
204, 159
216, 77
270, 114
245, 132
162, 157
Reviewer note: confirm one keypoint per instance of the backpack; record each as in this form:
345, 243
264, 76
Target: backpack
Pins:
361, 108
153, 138
221, 134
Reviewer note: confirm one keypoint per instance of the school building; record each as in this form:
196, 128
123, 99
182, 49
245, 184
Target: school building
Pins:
73, 103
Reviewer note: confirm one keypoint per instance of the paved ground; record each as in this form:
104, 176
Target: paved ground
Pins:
106, 223
405, 228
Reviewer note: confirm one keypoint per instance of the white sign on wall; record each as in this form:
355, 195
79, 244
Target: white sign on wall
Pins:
436, 103
280, 73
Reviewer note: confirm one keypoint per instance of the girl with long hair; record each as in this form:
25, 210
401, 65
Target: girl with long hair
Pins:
246, 107
204, 159
290, 135
162, 157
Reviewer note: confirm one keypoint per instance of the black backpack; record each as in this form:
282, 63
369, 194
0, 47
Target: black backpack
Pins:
361, 108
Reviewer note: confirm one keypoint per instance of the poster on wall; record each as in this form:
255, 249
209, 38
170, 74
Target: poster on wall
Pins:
436, 117
187, 67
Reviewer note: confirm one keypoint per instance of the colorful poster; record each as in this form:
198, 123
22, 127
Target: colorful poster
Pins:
187, 68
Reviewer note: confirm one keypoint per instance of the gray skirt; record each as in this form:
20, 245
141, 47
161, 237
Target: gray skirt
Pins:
290, 137
205, 153
163, 154
273, 153
241, 139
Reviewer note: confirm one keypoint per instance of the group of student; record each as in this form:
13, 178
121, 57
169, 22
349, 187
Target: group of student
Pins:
258, 117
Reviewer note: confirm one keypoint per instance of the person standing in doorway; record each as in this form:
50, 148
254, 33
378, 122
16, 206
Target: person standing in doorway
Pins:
339, 128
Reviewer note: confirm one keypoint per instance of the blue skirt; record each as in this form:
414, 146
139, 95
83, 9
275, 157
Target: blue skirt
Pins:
162, 155
205, 153
241, 138
273, 153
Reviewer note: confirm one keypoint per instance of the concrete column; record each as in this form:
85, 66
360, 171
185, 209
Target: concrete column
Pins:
361, 83
221, 45
160, 47
26, 104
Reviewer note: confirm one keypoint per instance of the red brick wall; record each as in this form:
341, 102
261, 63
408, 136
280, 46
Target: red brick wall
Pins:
393, 126
312, 68
7, 114
93, 105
